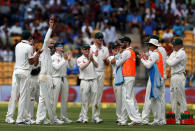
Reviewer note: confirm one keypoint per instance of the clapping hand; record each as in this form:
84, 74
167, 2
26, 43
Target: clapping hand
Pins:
69, 56
96, 53
114, 51
90, 57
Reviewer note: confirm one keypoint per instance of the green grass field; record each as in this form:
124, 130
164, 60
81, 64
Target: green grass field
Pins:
109, 124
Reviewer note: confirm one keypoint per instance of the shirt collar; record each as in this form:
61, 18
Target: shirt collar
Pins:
57, 54
25, 41
180, 49
84, 57
98, 47
130, 47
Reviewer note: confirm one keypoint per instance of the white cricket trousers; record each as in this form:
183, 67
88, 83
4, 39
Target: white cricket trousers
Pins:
88, 90
177, 92
14, 97
100, 82
34, 95
129, 103
45, 99
162, 102
151, 104
22, 77
63, 88
118, 97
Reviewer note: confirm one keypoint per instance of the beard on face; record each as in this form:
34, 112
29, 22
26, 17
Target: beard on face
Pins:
123, 46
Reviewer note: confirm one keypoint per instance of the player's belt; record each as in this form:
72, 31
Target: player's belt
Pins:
88, 79
179, 73
62, 78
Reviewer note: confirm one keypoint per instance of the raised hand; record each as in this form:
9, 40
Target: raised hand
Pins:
51, 22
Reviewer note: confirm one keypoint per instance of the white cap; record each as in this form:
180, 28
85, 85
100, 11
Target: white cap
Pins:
154, 42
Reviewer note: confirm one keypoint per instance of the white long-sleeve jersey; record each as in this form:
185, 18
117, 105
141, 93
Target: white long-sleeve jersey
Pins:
60, 65
177, 61
45, 58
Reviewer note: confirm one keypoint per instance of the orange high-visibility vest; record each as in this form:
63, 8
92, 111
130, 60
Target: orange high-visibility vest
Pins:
160, 64
129, 66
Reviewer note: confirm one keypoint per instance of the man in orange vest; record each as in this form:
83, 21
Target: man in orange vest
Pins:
129, 103
162, 50
152, 101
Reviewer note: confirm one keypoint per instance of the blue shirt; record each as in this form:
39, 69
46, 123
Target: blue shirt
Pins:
178, 29
134, 18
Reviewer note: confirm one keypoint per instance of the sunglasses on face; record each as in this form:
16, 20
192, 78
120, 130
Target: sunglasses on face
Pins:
87, 49
100, 38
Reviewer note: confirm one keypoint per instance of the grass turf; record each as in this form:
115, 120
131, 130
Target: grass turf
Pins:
109, 124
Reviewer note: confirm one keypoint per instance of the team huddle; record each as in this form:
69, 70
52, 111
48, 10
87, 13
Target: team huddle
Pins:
39, 77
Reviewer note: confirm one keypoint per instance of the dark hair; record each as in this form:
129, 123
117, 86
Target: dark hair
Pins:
26, 35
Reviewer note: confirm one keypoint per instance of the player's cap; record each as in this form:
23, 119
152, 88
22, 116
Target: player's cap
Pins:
177, 41
26, 34
85, 46
114, 45
154, 42
126, 39
99, 35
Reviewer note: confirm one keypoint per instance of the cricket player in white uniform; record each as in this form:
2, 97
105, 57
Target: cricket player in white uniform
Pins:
162, 90
177, 62
45, 80
118, 88
129, 103
102, 53
88, 86
15, 92
60, 63
153, 104
24, 60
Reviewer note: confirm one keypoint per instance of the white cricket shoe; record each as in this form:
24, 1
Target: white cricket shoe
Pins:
121, 123
134, 123
10, 120
85, 121
80, 120
66, 120
98, 120
58, 122
154, 123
